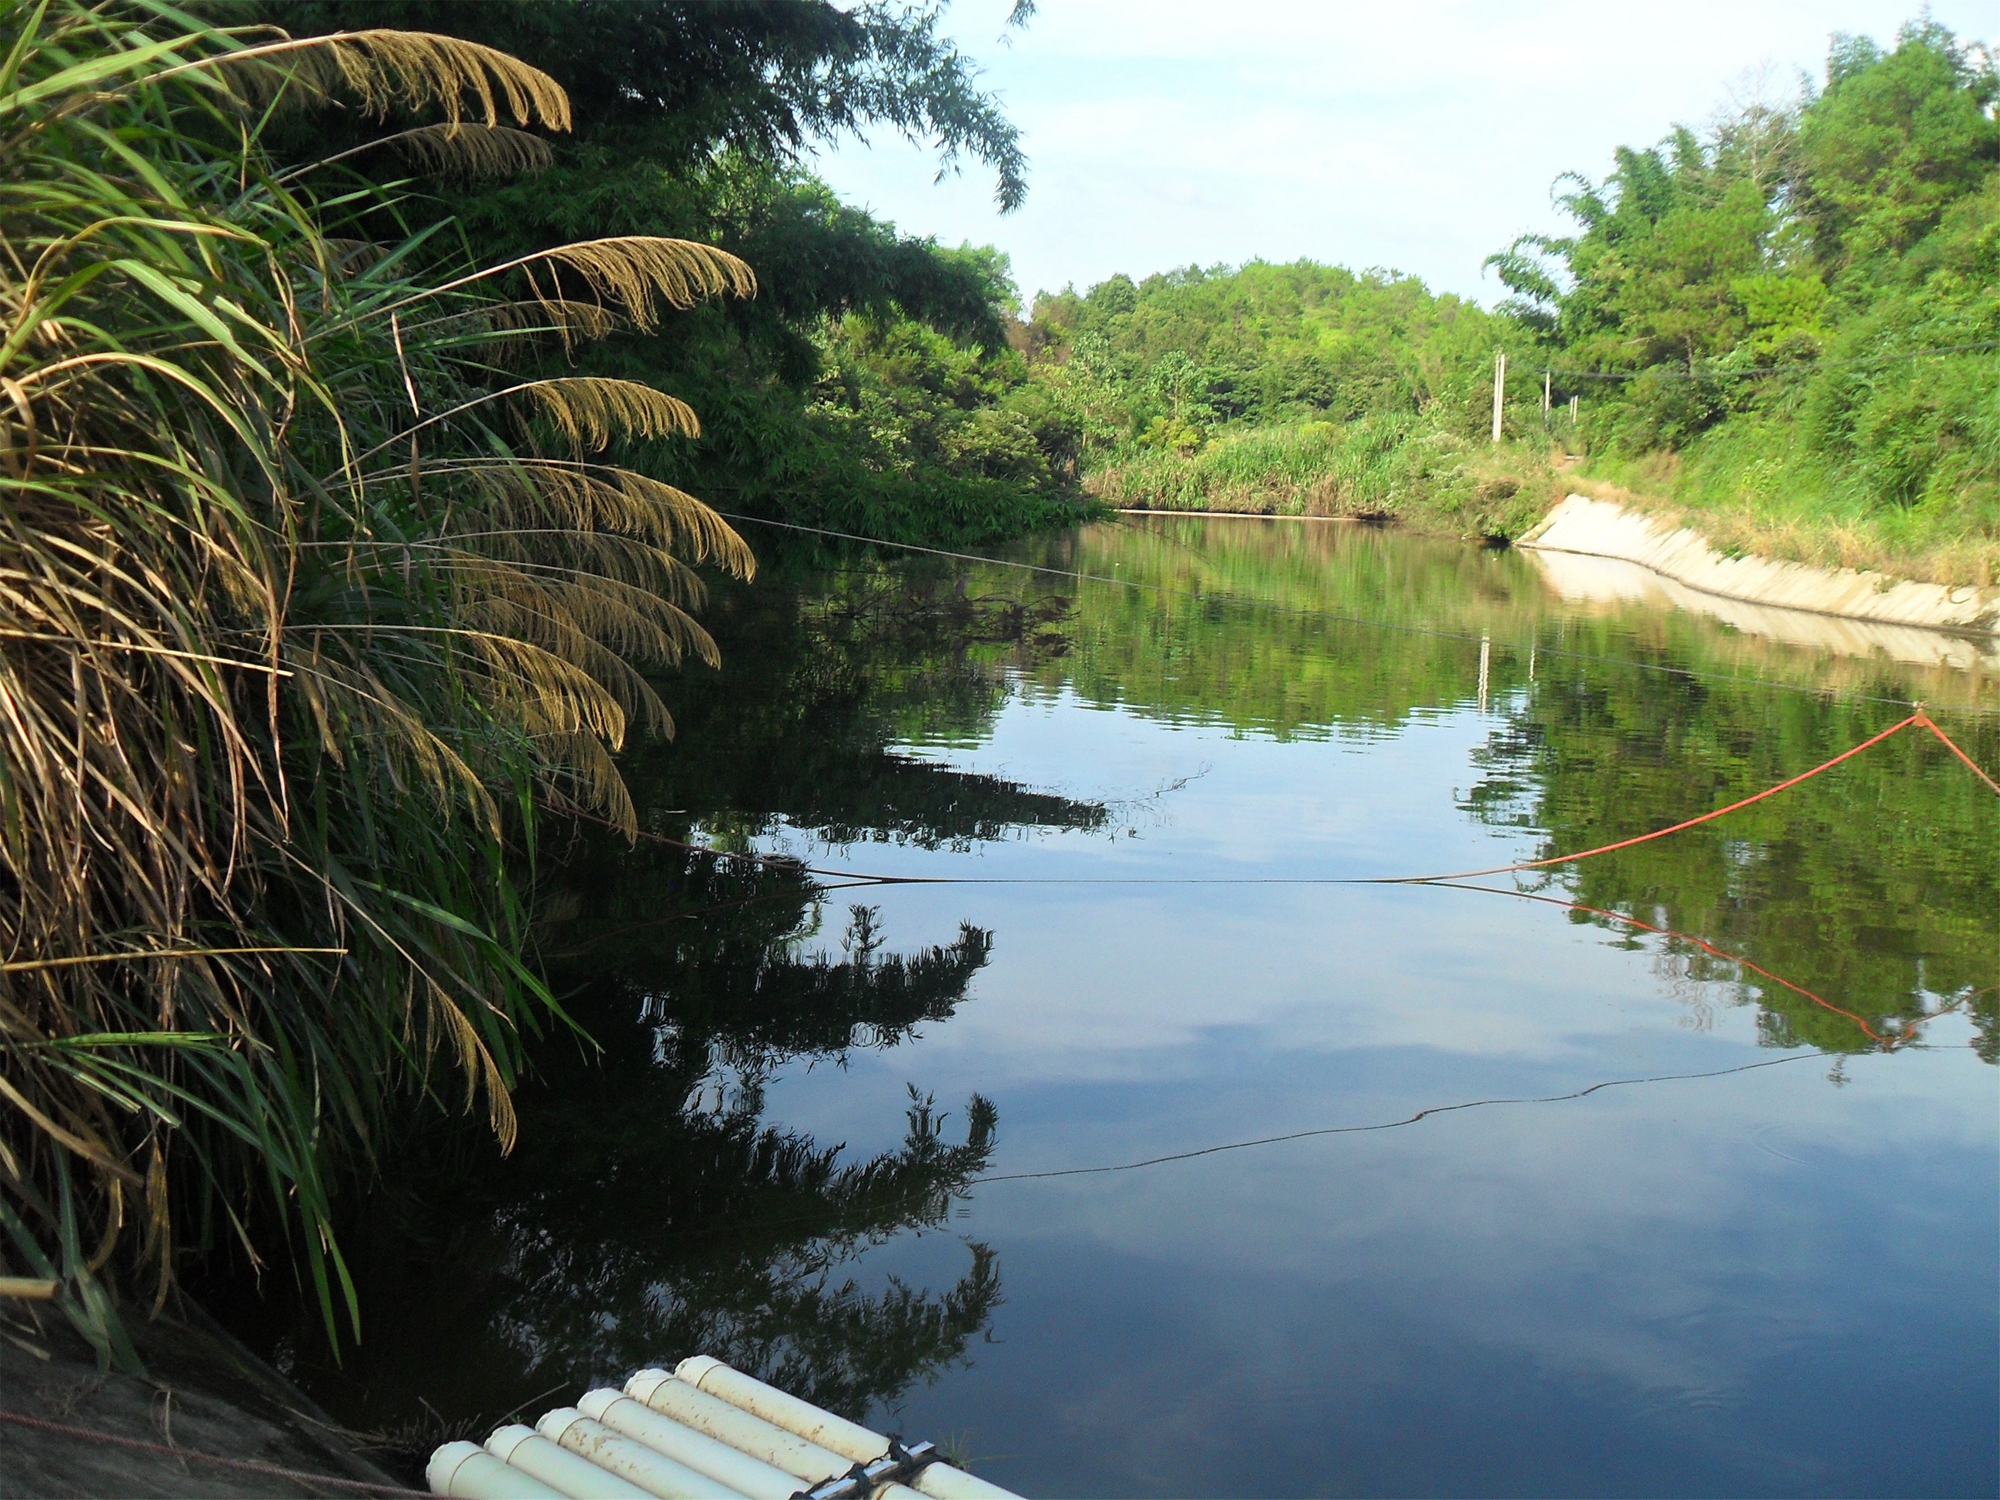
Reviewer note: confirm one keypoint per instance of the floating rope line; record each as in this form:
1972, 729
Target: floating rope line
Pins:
252, 1466
783, 1220
851, 879
1428, 631
788, 863
1422, 1114
1443, 882
1919, 717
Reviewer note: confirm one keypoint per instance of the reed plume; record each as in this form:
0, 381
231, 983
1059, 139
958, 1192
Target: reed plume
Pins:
303, 612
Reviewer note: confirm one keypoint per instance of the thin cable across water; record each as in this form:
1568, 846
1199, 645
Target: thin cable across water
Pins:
1918, 718
780, 1221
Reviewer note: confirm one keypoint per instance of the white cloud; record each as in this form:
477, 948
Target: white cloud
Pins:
1419, 136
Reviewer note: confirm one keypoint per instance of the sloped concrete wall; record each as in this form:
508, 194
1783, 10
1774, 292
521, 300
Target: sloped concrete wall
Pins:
1598, 528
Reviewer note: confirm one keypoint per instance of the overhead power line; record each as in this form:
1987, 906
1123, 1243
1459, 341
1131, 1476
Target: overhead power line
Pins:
1678, 372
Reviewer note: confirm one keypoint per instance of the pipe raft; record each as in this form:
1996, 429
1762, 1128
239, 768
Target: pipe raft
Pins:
701, 1432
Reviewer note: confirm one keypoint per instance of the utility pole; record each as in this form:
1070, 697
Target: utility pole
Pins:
1573, 409
1547, 390
1499, 388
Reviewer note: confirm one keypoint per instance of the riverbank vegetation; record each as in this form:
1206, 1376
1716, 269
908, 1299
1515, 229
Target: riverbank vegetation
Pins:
314, 598
1294, 390
1794, 317
343, 531
1787, 323
869, 387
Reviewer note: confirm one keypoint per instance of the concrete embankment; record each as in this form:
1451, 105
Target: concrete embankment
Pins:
1598, 550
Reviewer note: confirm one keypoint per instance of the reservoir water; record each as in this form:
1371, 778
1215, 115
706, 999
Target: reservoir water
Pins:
1102, 1157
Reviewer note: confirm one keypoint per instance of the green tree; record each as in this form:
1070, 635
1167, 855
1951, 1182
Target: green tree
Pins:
692, 120
1813, 284
1893, 140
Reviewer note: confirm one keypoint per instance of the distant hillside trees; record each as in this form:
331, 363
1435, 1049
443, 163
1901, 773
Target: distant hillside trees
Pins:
1824, 272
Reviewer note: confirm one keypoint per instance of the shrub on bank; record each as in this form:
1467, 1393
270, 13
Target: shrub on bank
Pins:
1408, 467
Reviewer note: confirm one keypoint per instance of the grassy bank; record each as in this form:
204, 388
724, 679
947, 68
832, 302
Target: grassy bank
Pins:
1783, 330
1749, 487
1416, 471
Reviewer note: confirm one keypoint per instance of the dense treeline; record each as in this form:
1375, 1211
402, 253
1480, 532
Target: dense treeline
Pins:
1791, 318
1803, 301
1292, 388
1269, 343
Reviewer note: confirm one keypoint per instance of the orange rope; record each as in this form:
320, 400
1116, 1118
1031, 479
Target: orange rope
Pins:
1886, 1043
1645, 838
1971, 764
1919, 716
784, 862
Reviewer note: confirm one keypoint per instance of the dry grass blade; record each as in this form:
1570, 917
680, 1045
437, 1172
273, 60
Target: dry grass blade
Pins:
463, 149
504, 331
636, 272
413, 70
591, 410
531, 493
475, 150
639, 271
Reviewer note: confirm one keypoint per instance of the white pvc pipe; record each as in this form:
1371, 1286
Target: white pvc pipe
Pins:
558, 1468
653, 1472
938, 1480
943, 1482
468, 1470
746, 1475
850, 1441
799, 1457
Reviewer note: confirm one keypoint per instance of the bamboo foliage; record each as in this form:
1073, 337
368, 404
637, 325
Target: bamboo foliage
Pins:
296, 632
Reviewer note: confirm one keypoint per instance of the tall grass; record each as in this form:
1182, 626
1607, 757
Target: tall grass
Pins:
307, 604
1755, 484
1413, 466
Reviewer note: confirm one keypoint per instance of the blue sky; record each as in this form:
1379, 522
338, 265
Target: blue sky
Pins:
1419, 136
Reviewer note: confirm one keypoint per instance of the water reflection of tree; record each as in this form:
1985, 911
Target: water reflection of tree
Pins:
1874, 887
1234, 622
816, 689
663, 1215
651, 1209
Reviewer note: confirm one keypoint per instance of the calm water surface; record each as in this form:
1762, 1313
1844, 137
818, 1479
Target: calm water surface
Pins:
898, 1146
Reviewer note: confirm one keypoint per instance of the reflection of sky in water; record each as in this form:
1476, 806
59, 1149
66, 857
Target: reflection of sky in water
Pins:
1745, 1284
